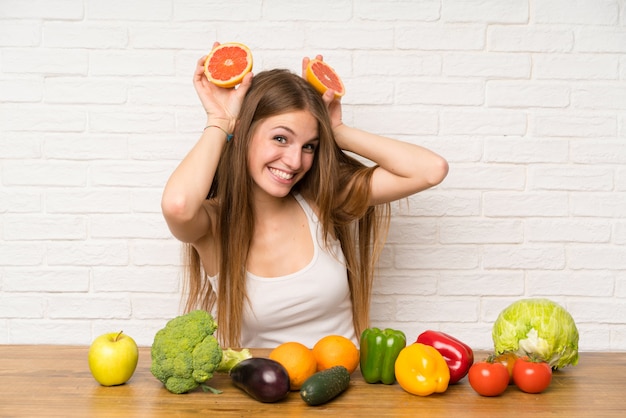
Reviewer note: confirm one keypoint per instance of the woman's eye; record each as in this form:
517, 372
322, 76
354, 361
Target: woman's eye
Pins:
309, 147
280, 139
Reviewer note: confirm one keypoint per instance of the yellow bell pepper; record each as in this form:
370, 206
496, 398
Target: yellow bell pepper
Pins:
422, 370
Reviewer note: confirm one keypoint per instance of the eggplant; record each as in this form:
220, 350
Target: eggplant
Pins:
264, 379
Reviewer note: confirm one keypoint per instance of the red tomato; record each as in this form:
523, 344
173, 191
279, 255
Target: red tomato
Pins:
508, 360
488, 379
531, 376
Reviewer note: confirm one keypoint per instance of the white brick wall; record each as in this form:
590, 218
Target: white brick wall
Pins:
525, 98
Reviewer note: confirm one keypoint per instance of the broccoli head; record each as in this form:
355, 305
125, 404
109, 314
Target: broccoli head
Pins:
185, 353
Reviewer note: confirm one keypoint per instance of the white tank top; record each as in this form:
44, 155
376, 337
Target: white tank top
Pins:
303, 306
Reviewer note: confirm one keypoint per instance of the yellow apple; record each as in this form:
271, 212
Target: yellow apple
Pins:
113, 358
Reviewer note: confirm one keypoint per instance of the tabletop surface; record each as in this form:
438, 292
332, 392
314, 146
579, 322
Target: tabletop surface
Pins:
50, 381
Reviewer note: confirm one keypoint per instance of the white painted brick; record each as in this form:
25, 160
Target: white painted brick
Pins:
489, 283
445, 204
42, 119
46, 279
45, 331
42, 9
617, 339
156, 307
22, 306
44, 227
159, 92
602, 40
128, 226
567, 230
575, 66
604, 205
397, 121
526, 150
146, 201
138, 280
593, 12
581, 178
19, 33
130, 121
569, 283
161, 147
490, 11
86, 306
156, 253
603, 310
325, 10
88, 253
22, 90
129, 174
599, 96
619, 236
131, 63
387, 63
84, 35
407, 230
371, 90
165, 36
552, 204
19, 201
383, 308
85, 90
596, 258
536, 38
141, 330
377, 10
49, 173
441, 93
576, 125
594, 337
417, 283
480, 231
456, 148
45, 61
199, 10
517, 257
435, 37
501, 65
486, 177
351, 37
429, 309
87, 201
483, 122
152, 10
527, 94
429, 258
20, 145
85, 146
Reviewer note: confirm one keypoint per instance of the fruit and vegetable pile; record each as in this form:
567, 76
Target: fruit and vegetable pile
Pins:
532, 337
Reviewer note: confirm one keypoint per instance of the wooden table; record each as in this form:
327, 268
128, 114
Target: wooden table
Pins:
54, 381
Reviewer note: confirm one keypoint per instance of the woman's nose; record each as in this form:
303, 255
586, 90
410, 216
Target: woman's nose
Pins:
293, 157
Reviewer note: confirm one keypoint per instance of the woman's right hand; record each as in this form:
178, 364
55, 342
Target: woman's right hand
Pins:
220, 104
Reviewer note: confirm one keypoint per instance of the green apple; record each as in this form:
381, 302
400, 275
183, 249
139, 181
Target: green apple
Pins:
113, 358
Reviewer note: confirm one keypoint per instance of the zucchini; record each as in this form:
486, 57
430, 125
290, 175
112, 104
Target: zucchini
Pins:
325, 385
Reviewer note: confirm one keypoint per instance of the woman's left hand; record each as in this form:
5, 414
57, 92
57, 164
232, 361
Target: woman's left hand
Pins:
333, 104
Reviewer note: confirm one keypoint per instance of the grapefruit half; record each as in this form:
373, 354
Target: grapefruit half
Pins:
323, 77
227, 64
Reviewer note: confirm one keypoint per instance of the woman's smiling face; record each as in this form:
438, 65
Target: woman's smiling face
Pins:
281, 151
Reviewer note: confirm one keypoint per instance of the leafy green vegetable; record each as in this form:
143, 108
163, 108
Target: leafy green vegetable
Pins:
537, 328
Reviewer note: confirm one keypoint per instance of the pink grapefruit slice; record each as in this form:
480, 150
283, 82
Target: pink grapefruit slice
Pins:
227, 64
323, 77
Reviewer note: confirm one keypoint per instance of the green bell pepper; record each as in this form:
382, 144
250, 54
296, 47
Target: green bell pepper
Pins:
379, 350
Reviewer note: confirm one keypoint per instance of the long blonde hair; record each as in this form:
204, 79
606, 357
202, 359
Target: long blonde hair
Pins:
360, 228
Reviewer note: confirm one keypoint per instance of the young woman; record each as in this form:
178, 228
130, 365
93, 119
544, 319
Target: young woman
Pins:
283, 229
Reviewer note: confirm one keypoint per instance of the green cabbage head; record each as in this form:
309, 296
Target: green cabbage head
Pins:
538, 328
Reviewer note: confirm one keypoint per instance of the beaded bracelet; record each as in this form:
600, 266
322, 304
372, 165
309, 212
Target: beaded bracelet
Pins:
228, 136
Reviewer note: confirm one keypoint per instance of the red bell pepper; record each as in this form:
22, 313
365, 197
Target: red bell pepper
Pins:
458, 355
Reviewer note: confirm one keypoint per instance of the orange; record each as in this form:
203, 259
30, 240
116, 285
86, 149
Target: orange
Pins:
227, 64
297, 359
323, 77
336, 350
